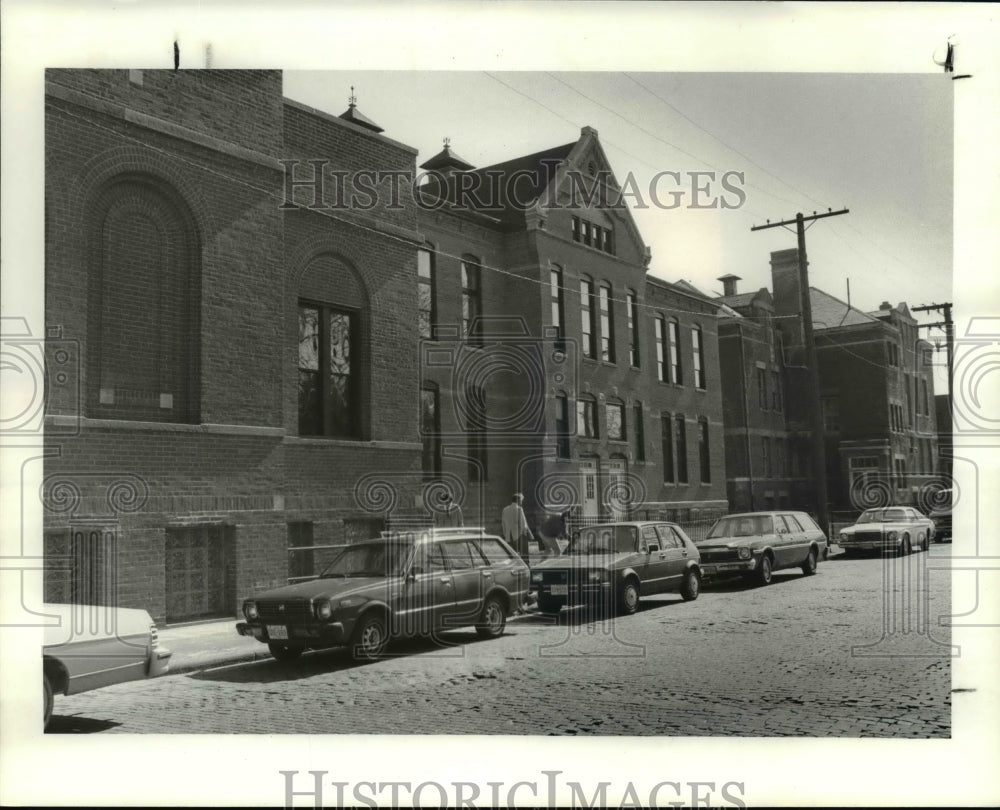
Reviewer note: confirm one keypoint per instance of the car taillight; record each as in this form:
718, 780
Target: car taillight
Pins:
154, 638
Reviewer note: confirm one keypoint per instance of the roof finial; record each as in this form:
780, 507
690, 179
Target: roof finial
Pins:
353, 100
447, 141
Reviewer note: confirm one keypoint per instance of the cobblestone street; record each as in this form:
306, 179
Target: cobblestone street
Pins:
855, 651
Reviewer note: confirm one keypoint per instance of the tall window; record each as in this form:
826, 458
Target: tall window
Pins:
586, 417
776, 403
674, 330
587, 323
327, 395
762, 388
471, 299
430, 432
475, 403
765, 454
558, 307
640, 432
562, 426
614, 413
680, 442
831, 413
661, 349
607, 325
703, 451
697, 366
633, 329
667, 446
926, 398
426, 293
779, 457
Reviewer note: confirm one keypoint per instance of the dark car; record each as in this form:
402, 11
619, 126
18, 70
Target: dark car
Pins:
614, 563
755, 544
396, 585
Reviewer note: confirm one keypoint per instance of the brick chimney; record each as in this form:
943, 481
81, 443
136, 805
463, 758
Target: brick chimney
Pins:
729, 284
787, 300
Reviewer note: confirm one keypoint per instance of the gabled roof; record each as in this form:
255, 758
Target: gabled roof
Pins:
740, 299
829, 312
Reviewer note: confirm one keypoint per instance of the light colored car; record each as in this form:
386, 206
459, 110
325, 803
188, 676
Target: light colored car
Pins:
400, 584
94, 646
892, 528
755, 544
614, 563
941, 515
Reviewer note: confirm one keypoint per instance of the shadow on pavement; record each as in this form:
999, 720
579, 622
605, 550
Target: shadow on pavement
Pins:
76, 724
584, 614
737, 584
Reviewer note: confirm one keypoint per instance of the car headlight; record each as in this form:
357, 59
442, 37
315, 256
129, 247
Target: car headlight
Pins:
324, 610
598, 576
536, 577
250, 610
745, 552
843, 535
892, 535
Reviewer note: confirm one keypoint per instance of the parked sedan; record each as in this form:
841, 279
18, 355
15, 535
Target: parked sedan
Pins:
94, 646
941, 515
402, 584
893, 528
614, 563
755, 544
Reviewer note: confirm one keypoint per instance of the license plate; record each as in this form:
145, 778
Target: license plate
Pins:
560, 590
277, 631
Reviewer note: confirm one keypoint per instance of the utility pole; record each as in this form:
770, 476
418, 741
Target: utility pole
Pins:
949, 339
812, 369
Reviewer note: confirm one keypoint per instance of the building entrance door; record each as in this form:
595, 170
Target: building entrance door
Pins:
617, 493
588, 487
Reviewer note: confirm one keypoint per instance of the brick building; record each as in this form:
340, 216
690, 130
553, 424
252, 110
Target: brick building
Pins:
258, 371
600, 384
876, 391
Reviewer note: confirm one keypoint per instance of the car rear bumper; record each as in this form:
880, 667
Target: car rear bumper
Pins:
320, 635
159, 662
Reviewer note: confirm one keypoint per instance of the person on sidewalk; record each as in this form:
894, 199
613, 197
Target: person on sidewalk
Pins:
552, 530
450, 514
514, 526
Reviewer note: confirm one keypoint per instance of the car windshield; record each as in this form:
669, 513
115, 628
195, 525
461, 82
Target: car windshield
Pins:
603, 540
882, 516
370, 560
742, 526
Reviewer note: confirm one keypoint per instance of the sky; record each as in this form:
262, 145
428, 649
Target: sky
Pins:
880, 145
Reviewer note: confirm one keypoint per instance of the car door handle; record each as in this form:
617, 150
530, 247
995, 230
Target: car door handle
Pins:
446, 580
487, 574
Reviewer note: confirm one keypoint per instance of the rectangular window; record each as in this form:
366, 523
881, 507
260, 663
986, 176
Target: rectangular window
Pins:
301, 564
831, 414
607, 325
426, 293
779, 457
633, 329
680, 442
640, 432
776, 403
703, 451
676, 375
765, 455
762, 389
327, 401
923, 389
430, 432
558, 308
471, 301
586, 233
697, 367
661, 349
475, 404
577, 229
586, 418
587, 324
666, 438
562, 426
614, 413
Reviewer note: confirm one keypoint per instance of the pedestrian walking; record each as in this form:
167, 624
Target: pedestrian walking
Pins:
450, 514
514, 525
552, 530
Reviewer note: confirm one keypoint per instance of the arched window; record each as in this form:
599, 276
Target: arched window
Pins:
430, 430
332, 351
607, 324
562, 425
614, 417
472, 299
588, 325
633, 328
144, 304
586, 417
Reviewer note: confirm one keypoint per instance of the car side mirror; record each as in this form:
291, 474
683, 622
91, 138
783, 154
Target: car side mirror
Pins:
651, 548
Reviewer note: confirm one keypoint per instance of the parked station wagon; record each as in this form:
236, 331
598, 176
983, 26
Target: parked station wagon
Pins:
892, 528
403, 584
755, 544
614, 563
94, 646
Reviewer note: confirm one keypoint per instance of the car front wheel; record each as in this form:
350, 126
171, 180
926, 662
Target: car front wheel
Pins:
370, 638
628, 598
691, 586
47, 711
285, 652
492, 620
765, 571
809, 566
